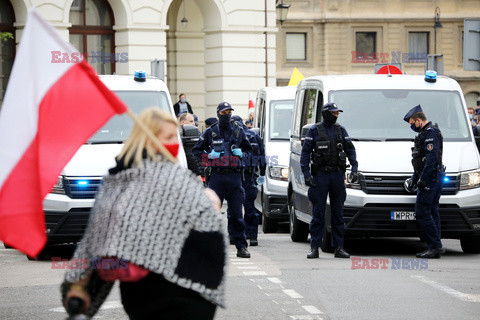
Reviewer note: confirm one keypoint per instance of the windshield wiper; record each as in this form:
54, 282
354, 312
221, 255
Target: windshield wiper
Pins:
399, 139
105, 142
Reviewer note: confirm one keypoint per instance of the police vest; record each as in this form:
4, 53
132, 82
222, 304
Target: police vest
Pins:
419, 152
220, 145
328, 155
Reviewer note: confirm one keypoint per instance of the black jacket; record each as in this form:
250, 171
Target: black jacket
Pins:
176, 108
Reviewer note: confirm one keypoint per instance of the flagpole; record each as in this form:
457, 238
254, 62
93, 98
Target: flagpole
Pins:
149, 133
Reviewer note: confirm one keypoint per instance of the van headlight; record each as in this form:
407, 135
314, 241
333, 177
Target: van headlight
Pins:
470, 180
279, 173
58, 187
350, 185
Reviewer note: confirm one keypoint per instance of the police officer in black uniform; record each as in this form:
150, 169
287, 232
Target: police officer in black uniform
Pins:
222, 147
326, 146
256, 162
428, 176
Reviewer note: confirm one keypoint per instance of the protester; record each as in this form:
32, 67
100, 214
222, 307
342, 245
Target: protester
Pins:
158, 217
186, 118
182, 106
249, 122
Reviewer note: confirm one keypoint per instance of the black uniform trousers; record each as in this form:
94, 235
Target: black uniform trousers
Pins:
427, 215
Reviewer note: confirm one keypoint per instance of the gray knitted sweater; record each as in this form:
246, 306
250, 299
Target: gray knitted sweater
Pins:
159, 217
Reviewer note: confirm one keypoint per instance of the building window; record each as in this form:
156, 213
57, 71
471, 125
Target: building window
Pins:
296, 46
418, 46
92, 33
7, 48
366, 45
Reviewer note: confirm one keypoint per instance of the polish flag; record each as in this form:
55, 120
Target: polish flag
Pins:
50, 109
251, 102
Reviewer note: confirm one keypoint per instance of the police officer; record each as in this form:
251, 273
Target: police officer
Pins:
257, 160
326, 146
428, 176
221, 147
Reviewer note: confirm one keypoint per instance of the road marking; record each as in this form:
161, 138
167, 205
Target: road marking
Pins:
254, 273
312, 309
249, 267
457, 294
105, 306
292, 294
307, 317
275, 280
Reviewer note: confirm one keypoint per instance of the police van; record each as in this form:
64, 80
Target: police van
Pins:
273, 116
68, 205
378, 204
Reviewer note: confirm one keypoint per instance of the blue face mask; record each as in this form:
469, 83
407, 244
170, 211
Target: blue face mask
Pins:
470, 116
415, 128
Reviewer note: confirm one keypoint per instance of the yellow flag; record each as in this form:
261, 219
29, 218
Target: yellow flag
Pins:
296, 77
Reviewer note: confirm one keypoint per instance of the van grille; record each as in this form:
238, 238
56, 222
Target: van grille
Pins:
375, 184
81, 188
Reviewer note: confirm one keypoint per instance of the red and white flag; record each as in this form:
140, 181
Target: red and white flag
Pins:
50, 109
251, 102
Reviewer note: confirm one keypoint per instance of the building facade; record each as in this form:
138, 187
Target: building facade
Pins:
224, 51
350, 36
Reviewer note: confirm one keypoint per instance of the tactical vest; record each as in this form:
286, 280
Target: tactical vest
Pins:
220, 145
419, 152
328, 155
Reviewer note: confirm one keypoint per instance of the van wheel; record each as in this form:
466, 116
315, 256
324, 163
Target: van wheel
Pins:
327, 240
298, 229
470, 244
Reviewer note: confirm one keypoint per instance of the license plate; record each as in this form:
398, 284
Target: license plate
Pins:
403, 215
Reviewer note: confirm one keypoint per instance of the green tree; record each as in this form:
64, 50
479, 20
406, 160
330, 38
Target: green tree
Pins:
4, 36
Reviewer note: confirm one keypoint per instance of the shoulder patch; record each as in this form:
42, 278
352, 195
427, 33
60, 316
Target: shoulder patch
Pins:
430, 146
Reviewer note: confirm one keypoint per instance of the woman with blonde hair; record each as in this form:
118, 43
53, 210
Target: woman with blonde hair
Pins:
155, 229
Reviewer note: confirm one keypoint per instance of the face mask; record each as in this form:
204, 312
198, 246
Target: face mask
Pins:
183, 100
415, 128
470, 116
224, 120
328, 117
172, 148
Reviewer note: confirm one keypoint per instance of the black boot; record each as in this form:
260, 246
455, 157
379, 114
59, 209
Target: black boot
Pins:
253, 242
243, 253
431, 253
341, 253
313, 253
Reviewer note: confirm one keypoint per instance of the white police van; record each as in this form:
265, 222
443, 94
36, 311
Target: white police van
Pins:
273, 116
68, 205
374, 107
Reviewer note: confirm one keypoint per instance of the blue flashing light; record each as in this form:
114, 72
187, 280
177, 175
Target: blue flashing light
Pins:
140, 76
82, 182
431, 76
446, 179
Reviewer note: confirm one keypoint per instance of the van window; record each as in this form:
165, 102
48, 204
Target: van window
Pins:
320, 104
308, 107
298, 112
378, 114
280, 119
118, 128
260, 113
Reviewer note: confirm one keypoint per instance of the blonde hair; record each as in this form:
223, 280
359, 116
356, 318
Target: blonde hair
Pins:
154, 119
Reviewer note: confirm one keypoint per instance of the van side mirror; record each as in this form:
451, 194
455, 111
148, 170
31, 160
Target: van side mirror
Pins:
190, 132
256, 130
305, 129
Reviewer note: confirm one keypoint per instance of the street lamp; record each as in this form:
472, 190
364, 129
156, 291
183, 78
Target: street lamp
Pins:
184, 21
282, 11
436, 25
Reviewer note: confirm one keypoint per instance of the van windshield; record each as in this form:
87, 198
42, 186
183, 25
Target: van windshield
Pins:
118, 128
378, 114
280, 119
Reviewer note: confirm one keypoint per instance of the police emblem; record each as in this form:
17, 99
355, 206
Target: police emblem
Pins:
430, 146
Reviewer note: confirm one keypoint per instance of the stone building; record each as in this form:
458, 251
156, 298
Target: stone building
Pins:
349, 36
224, 51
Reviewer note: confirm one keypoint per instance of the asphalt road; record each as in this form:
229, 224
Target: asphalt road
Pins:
278, 282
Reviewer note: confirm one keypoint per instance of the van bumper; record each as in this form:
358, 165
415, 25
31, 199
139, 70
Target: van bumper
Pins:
66, 219
459, 215
275, 199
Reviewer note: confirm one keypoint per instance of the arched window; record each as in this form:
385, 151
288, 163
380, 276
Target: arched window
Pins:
7, 46
92, 33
